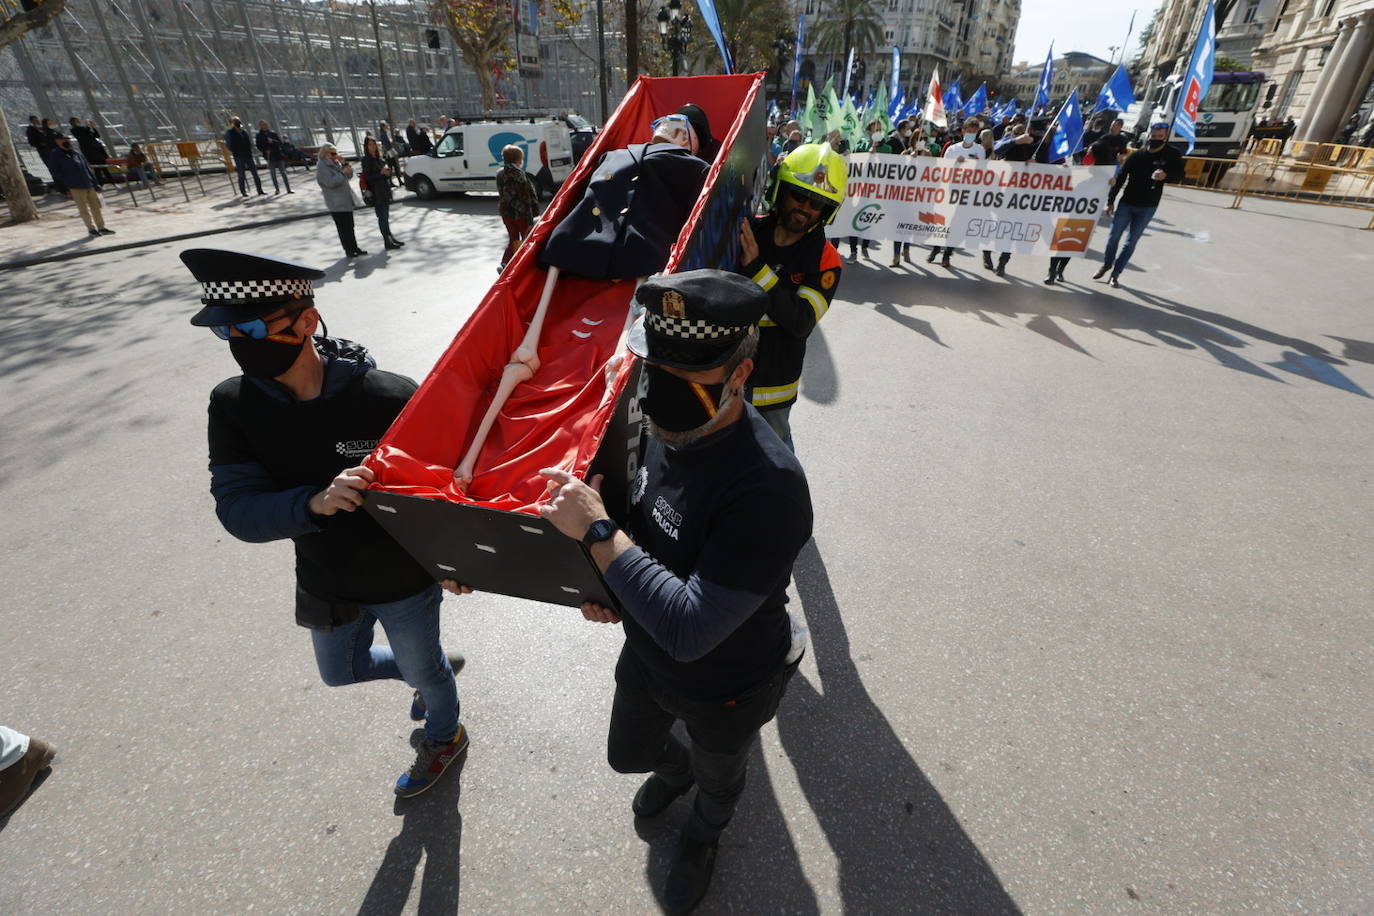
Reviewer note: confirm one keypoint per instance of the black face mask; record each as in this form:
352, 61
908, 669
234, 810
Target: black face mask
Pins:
677, 405
1156, 145
264, 358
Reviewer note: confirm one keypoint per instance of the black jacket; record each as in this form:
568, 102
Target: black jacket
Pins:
419, 140
800, 280
378, 185
240, 147
269, 144
269, 453
1134, 182
633, 209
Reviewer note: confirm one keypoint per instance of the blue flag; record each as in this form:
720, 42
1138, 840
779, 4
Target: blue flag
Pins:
977, 102
1068, 131
707, 9
894, 107
896, 76
1116, 94
796, 60
1042, 92
954, 100
1198, 79
1009, 109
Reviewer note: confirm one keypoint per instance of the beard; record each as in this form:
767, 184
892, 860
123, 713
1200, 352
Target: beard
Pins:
794, 219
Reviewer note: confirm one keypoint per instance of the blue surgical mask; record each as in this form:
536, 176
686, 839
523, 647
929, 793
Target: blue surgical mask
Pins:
969, 138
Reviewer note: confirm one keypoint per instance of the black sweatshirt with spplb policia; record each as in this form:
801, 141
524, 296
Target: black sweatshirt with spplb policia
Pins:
269, 453
800, 280
1134, 183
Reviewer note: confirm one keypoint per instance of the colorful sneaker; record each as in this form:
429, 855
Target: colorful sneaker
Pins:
431, 761
456, 661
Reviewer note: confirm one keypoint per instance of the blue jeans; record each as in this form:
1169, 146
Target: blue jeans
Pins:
273, 167
346, 655
243, 167
1136, 218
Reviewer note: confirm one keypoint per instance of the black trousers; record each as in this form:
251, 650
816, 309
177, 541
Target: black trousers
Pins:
344, 223
243, 167
640, 738
383, 217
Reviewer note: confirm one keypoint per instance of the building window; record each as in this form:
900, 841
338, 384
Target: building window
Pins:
1326, 8
1289, 88
1251, 12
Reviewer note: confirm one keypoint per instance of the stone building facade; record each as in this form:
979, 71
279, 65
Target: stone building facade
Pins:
1319, 59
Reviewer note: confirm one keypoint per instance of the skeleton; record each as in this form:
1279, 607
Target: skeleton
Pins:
524, 360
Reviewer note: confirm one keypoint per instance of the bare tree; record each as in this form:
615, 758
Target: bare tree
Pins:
16, 190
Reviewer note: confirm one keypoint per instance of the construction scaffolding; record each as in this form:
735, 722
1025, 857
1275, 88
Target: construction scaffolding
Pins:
316, 70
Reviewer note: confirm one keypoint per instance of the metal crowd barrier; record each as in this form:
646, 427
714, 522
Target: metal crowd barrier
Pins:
1275, 179
1335, 155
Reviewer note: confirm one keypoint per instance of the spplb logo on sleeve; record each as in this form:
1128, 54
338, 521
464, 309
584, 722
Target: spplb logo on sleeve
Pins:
1071, 235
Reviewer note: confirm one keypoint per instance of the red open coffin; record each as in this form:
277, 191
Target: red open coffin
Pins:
492, 538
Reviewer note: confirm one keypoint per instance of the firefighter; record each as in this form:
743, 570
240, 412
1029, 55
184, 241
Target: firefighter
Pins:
786, 252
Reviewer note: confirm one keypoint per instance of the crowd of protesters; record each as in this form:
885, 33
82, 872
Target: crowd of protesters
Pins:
1017, 138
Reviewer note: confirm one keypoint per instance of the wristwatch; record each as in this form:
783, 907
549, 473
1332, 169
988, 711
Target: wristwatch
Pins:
603, 529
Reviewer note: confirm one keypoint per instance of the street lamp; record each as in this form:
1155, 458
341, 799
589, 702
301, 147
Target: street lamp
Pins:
782, 46
674, 31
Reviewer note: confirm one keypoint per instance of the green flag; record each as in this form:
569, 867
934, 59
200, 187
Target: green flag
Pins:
834, 111
851, 128
879, 110
808, 115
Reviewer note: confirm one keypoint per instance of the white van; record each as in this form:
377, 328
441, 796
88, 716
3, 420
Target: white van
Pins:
469, 155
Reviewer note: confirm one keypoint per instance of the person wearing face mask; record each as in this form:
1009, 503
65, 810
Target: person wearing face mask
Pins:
286, 440
69, 168
719, 511
873, 142
1140, 183
967, 148
786, 252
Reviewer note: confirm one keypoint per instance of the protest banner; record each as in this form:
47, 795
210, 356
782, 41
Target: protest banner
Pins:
1021, 207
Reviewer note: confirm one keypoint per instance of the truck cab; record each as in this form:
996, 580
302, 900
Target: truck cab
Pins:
468, 156
1224, 117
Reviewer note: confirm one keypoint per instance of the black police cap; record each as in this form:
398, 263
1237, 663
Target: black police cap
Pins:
238, 286
695, 319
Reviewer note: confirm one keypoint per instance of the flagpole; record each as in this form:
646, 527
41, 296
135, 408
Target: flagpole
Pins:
1049, 131
1125, 44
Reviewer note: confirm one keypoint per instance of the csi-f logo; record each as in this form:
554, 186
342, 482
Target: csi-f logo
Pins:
1071, 235
868, 217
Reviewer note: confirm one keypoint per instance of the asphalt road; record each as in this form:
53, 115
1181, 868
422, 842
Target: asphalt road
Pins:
1089, 597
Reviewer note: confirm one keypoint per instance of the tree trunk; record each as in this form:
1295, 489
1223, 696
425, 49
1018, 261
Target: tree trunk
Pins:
631, 42
481, 66
16, 190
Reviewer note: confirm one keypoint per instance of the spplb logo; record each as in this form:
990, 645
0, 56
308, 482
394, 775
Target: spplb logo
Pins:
1071, 235
868, 217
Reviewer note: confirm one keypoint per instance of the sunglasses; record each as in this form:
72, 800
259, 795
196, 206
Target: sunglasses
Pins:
257, 328
802, 199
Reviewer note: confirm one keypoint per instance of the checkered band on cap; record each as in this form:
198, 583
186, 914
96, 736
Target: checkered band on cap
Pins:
691, 328
249, 290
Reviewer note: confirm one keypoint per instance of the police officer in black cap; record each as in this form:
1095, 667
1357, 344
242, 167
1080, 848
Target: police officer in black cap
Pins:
718, 514
286, 438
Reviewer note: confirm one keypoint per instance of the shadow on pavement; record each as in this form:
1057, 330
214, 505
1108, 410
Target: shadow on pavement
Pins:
899, 846
1054, 311
432, 828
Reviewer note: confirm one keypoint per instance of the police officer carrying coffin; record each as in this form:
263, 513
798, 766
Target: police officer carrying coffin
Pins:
718, 514
787, 254
283, 437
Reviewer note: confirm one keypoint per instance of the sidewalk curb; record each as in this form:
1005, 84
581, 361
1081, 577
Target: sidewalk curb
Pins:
73, 255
